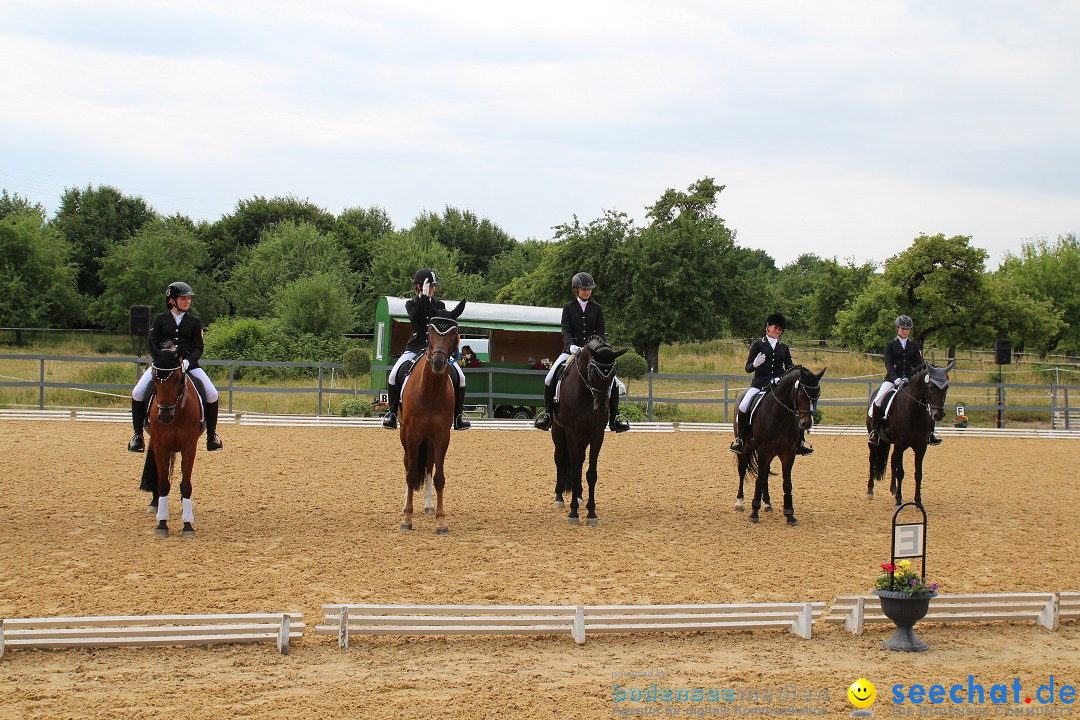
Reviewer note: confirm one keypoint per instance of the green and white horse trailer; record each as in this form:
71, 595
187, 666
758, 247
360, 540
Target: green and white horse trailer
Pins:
515, 342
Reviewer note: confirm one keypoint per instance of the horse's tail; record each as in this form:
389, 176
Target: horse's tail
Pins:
879, 459
149, 472
751, 461
416, 479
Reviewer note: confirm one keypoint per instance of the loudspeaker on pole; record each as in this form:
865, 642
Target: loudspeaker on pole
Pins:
1003, 352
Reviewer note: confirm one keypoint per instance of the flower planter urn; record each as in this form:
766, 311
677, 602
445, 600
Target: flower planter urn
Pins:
904, 609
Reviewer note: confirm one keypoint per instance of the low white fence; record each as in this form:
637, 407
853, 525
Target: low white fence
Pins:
150, 630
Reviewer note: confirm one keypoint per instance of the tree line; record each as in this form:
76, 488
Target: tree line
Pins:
282, 278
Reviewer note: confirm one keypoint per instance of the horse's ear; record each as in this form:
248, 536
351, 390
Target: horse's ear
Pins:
820, 374
458, 309
950, 365
622, 352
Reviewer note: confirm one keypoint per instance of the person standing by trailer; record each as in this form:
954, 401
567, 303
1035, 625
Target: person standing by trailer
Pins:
581, 319
185, 331
421, 308
768, 359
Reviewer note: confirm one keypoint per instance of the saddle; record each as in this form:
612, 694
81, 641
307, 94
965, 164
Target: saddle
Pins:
556, 381
199, 390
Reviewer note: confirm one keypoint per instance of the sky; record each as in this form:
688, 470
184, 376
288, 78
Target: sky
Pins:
843, 128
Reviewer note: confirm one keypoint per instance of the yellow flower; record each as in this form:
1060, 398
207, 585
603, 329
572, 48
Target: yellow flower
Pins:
905, 564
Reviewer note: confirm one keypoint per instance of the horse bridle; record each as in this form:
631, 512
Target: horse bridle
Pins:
812, 396
607, 376
430, 352
179, 392
930, 407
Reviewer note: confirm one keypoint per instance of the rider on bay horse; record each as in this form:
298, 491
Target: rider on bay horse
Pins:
903, 358
769, 359
421, 309
185, 331
581, 319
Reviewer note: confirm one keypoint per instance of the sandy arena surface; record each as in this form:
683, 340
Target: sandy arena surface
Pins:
290, 518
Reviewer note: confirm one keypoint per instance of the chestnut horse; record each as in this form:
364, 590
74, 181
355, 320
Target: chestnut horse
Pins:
917, 405
174, 429
427, 412
583, 397
777, 424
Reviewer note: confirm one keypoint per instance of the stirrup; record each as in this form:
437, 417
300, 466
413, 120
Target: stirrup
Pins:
618, 424
934, 440
804, 449
737, 446
213, 442
460, 423
873, 438
136, 444
389, 421
543, 421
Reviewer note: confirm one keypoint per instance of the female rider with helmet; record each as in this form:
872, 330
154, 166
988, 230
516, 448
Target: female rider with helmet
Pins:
185, 331
903, 357
581, 319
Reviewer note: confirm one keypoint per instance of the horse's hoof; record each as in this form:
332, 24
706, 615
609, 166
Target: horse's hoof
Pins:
768, 508
754, 519
405, 526
151, 509
442, 531
792, 522
161, 532
558, 504
188, 533
739, 504
869, 496
429, 511
592, 522
572, 522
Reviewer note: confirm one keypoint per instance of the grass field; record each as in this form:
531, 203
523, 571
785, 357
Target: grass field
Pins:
676, 399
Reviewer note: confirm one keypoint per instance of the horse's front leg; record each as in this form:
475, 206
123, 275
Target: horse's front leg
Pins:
407, 509
759, 487
920, 453
439, 480
897, 473
576, 452
187, 514
787, 461
163, 460
594, 454
742, 461
562, 465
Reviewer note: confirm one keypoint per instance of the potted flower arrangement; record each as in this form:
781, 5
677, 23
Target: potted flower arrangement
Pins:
961, 421
905, 599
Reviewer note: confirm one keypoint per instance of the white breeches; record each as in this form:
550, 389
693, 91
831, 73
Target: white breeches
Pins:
555, 366
750, 393
142, 388
882, 391
408, 356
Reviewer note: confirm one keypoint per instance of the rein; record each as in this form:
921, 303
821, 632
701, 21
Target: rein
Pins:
925, 401
795, 398
180, 390
608, 376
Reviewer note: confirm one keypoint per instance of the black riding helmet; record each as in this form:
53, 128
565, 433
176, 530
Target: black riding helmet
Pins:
584, 281
904, 322
776, 319
424, 274
177, 289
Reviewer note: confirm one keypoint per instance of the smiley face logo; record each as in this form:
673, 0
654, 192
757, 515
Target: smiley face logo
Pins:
862, 693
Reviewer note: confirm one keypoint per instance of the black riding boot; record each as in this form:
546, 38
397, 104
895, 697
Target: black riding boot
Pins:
393, 395
543, 420
875, 425
804, 447
618, 422
460, 423
934, 439
740, 444
138, 418
213, 442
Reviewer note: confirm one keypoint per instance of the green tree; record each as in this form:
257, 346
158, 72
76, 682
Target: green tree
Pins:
287, 252
1050, 271
245, 226
317, 305
37, 283
137, 272
358, 229
1012, 313
476, 240
93, 220
675, 277
17, 205
833, 287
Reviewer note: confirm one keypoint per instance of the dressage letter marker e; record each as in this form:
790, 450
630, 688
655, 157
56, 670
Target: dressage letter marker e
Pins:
908, 540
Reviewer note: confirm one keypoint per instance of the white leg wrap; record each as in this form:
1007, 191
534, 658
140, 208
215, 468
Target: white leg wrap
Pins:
163, 508
428, 485
187, 514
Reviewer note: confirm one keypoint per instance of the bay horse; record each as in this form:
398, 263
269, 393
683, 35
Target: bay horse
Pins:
916, 406
174, 429
583, 401
776, 426
427, 413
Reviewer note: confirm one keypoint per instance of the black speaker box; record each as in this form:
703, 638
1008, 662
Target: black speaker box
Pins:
1003, 352
138, 320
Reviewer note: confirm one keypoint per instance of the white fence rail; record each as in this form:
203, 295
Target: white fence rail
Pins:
1045, 609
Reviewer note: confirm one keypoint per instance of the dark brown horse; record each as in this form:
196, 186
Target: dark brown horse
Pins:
583, 397
776, 426
427, 412
918, 404
175, 427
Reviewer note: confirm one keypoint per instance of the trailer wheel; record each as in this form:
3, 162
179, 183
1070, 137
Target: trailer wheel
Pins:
522, 413
504, 411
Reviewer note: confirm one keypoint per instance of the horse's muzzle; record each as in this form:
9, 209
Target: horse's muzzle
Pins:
438, 362
166, 415
806, 422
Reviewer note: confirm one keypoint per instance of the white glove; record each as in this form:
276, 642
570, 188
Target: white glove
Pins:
759, 360
427, 287
185, 364
776, 381
575, 349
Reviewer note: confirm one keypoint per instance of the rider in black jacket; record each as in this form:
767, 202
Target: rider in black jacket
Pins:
903, 358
